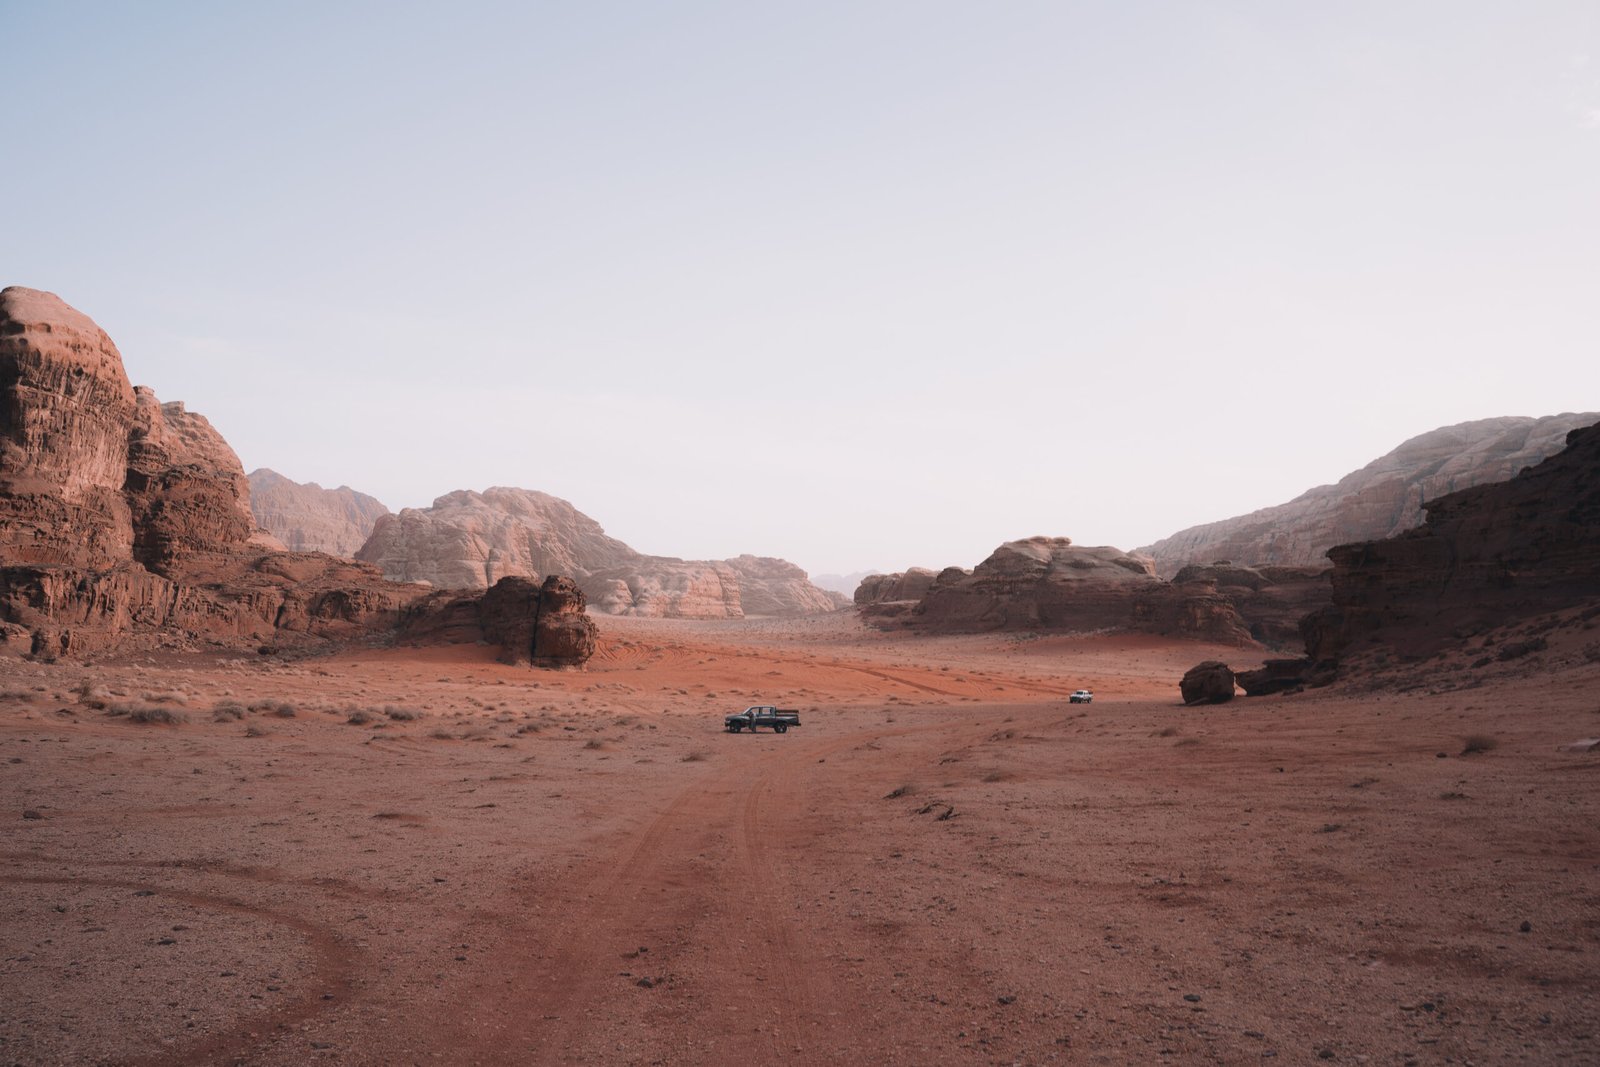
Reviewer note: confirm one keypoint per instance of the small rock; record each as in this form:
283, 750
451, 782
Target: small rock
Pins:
645, 983
1192, 998
1006, 999
322, 1044
167, 941
31, 814
1526, 927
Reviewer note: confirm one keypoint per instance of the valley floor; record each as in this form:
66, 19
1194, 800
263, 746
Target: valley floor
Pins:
421, 856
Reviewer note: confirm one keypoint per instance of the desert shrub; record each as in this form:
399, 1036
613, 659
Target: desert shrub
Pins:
900, 791
1476, 743
169, 697
256, 730
359, 717
996, 776
399, 714
225, 710
150, 713
23, 696
694, 757
1167, 731
593, 742
93, 696
284, 711
442, 735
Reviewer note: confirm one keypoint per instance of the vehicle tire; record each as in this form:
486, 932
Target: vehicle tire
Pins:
735, 727
781, 728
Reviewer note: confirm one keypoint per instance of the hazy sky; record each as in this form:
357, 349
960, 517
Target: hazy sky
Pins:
857, 284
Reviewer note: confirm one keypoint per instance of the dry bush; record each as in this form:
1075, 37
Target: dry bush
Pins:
284, 711
442, 735
593, 742
900, 791
253, 730
93, 696
170, 697
1476, 743
399, 714
359, 717
150, 713
695, 757
225, 710
996, 776
22, 696
1167, 731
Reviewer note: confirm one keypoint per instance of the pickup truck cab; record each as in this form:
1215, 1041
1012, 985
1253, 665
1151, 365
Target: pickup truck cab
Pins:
1082, 696
780, 719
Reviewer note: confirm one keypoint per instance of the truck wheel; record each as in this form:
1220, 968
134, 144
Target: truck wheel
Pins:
734, 727
781, 728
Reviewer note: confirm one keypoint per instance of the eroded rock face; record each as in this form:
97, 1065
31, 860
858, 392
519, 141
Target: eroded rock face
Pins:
308, 518
1486, 556
470, 540
1050, 584
769, 586
1210, 682
1384, 498
537, 624
1270, 601
125, 522
66, 408
912, 584
663, 588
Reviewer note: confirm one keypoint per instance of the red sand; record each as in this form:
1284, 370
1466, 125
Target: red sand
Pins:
947, 863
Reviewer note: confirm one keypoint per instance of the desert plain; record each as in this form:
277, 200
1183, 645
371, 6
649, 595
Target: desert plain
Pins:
394, 855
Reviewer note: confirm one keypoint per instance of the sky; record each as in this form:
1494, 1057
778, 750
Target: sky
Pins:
863, 285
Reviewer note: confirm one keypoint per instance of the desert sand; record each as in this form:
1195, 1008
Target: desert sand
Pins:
419, 855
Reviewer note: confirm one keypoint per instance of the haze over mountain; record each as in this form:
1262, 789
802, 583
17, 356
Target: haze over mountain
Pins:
309, 518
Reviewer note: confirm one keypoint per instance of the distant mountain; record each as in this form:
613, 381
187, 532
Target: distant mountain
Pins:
470, 540
1384, 498
309, 518
841, 583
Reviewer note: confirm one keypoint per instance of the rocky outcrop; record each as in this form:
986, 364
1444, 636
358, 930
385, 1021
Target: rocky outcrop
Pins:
309, 518
1048, 583
912, 584
125, 522
65, 411
1270, 601
662, 588
1486, 556
769, 586
470, 540
544, 625
1384, 498
1210, 682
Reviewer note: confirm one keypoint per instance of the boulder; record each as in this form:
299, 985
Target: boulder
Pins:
1210, 682
912, 584
538, 624
308, 518
1384, 498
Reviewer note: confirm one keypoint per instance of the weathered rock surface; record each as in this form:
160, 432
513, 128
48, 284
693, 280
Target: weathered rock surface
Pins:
65, 411
1275, 676
1210, 682
663, 588
470, 540
309, 518
912, 584
127, 522
1271, 601
1486, 556
769, 586
1048, 583
1384, 498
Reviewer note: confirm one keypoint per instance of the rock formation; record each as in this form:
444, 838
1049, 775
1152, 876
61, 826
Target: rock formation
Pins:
309, 518
1271, 601
912, 584
1382, 499
126, 522
1210, 682
470, 540
1486, 556
1048, 583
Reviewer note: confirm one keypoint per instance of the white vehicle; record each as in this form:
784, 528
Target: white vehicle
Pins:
1082, 696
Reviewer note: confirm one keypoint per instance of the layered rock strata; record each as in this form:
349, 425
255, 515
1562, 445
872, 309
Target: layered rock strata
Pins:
1384, 498
1485, 557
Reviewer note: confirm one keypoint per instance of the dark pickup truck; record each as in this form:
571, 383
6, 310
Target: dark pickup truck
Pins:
780, 719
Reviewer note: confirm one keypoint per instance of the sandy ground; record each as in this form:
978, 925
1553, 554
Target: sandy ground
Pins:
421, 856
